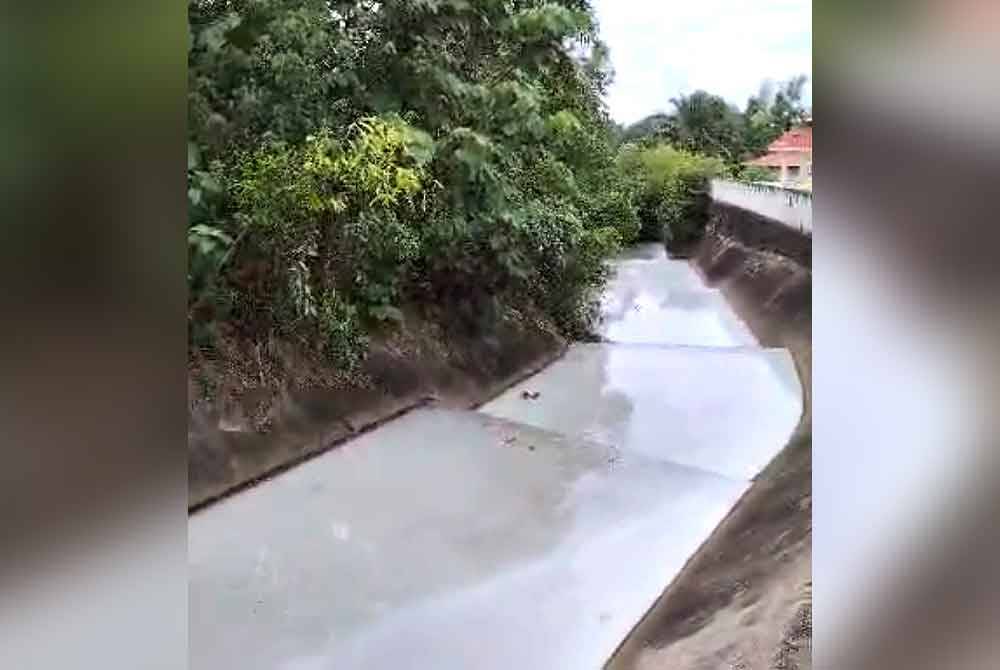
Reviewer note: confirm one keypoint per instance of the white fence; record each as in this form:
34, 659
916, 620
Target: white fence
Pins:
790, 206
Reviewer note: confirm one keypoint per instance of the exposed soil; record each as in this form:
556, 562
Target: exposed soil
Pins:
744, 600
256, 409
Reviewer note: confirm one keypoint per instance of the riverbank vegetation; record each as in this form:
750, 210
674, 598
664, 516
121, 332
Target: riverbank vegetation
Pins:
673, 157
351, 162
349, 158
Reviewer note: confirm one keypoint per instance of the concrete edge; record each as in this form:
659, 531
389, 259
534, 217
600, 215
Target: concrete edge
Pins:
374, 418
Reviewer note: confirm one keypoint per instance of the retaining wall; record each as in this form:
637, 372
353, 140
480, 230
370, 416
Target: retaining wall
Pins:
790, 206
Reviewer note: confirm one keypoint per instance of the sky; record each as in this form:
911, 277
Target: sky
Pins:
663, 48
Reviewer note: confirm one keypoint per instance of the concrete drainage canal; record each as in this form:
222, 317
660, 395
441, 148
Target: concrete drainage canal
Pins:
533, 533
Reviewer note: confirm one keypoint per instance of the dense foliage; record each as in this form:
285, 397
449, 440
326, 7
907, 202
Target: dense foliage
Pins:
645, 129
754, 174
772, 112
672, 157
706, 124
348, 158
674, 191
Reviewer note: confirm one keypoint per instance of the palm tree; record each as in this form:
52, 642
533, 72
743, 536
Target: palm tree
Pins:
707, 124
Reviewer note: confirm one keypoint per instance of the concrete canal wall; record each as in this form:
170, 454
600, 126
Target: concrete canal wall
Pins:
745, 598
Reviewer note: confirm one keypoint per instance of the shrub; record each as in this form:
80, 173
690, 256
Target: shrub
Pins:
750, 174
673, 191
684, 208
344, 342
345, 161
334, 214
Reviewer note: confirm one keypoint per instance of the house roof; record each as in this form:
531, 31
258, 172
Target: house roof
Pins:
796, 139
784, 149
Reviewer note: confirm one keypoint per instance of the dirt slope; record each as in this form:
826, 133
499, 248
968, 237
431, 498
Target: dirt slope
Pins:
255, 410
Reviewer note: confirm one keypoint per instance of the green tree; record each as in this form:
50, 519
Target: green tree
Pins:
347, 157
673, 196
706, 124
788, 110
647, 127
771, 113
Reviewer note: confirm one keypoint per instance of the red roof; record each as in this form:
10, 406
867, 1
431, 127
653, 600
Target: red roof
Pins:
796, 139
789, 148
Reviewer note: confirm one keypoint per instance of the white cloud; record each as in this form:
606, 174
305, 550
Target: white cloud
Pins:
662, 48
